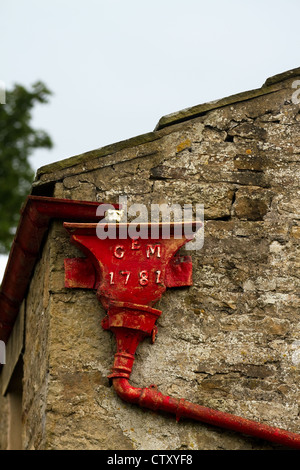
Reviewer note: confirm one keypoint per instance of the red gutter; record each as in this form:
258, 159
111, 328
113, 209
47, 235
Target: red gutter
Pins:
36, 215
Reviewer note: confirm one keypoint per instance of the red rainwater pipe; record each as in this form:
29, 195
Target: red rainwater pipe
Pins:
152, 399
119, 321
124, 271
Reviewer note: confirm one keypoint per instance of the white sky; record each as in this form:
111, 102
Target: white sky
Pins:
116, 66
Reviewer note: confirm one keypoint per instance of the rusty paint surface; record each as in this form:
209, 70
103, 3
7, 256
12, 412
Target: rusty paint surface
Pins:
179, 272
81, 274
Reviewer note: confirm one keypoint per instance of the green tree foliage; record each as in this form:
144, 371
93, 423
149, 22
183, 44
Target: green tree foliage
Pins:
18, 140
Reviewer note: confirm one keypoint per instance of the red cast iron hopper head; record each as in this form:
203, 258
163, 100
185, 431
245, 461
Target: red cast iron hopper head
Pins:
131, 276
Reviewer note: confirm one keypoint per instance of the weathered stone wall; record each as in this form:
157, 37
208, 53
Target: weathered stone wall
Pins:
231, 341
36, 355
3, 422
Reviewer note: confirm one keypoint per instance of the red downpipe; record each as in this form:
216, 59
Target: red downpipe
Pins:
152, 399
127, 340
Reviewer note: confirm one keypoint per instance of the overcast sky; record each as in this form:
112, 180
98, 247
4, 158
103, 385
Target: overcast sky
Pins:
115, 67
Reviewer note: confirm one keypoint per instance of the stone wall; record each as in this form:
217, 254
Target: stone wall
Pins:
3, 422
231, 341
36, 355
